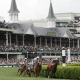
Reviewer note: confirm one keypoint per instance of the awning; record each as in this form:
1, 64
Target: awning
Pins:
73, 30
61, 22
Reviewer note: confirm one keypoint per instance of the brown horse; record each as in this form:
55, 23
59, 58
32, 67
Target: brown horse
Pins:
37, 67
22, 69
52, 68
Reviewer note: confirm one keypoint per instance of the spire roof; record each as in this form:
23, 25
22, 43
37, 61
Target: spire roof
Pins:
13, 8
51, 13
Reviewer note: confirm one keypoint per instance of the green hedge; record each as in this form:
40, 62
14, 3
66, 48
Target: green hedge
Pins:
67, 72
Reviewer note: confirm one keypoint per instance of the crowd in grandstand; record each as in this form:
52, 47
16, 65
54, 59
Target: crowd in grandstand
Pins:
3, 61
31, 47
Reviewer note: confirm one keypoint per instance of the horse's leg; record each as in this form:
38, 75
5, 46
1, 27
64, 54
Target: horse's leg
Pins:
20, 73
38, 72
35, 73
54, 75
47, 72
24, 72
29, 73
18, 70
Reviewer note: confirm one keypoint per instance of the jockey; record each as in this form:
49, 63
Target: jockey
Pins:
54, 60
36, 59
25, 61
33, 62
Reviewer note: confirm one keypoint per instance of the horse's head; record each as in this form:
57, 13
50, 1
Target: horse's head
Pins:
39, 61
56, 62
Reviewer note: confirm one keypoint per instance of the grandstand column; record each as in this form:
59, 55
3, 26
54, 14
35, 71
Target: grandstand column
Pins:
40, 41
7, 38
7, 57
69, 58
69, 42
46, 41
73, 42
35, 40
78, 43
55, 41
10, 38
60, 42
23, 39
63, 57
16, 40
51, 41
27, 54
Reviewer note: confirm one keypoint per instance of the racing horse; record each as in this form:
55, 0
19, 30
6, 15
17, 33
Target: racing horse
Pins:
52, 68
22, 69
34, 70
37, 67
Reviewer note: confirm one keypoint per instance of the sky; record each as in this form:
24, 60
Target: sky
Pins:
38, 9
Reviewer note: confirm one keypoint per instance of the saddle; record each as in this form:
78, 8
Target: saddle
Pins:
49, 65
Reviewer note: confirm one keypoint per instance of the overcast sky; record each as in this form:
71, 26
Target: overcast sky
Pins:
38, 9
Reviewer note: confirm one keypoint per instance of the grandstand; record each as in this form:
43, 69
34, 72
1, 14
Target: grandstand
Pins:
24, 39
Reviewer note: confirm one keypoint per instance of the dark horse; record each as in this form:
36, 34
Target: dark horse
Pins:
22, 69
51, 69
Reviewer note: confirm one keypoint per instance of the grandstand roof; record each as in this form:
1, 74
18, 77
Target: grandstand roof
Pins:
29, 28
44, 31
65, 32
21, 28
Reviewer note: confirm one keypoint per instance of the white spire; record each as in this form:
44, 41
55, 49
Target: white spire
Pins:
13, 12
51, 17
50, 1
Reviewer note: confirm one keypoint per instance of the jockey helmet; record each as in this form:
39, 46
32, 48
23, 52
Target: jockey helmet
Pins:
37, 57
25, 58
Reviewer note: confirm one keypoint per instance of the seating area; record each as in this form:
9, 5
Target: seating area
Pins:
38, 48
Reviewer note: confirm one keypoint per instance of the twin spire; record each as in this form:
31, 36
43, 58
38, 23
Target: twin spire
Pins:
13, 8
51, 13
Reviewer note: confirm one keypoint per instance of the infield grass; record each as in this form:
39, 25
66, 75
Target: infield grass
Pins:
11, 74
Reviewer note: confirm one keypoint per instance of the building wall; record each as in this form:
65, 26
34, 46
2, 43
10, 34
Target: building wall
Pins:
64, 16
60, 17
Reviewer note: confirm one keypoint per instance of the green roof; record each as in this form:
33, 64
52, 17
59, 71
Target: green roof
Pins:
62, 22
73, 30
77, 17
